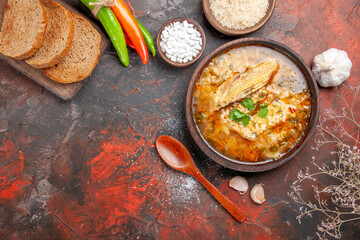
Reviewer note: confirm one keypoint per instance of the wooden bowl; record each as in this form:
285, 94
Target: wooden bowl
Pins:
260, 166
162, 54
236, 32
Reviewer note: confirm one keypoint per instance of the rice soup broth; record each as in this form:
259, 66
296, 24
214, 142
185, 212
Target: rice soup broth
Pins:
289, 87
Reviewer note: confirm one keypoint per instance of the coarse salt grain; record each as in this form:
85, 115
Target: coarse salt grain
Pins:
181, 42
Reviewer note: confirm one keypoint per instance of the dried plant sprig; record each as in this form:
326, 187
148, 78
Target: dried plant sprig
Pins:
339, 203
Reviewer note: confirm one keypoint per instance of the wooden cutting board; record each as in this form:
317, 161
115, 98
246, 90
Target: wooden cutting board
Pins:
65, 91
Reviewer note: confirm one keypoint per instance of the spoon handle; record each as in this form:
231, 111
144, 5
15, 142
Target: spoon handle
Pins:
235, 211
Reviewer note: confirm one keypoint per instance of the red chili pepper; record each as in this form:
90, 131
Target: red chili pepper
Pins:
128, 42
292, 110
131, 28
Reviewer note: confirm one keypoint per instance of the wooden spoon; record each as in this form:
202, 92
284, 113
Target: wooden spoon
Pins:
178, 157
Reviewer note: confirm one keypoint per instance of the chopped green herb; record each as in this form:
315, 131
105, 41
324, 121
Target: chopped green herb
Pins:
249, 104
238, 116
245, 120
263, 110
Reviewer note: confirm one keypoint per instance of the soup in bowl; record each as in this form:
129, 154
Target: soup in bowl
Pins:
252, 104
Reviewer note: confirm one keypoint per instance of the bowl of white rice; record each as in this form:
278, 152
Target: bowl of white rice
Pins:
238, 17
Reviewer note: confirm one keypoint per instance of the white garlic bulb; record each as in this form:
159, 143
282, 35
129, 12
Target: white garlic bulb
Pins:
240, 184
331, 67
257, 194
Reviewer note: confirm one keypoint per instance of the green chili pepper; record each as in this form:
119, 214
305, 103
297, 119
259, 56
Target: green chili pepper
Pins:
113, 29
147, 37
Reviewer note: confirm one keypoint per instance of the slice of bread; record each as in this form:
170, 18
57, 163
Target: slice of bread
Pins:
23, 28
83, 56
58, 37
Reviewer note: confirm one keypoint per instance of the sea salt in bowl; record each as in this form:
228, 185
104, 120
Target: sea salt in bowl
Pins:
189, 42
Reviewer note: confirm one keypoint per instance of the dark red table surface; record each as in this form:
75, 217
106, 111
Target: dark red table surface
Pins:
88, 169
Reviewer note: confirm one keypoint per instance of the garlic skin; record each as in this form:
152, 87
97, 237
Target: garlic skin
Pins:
257, 194
331, 67
240, 184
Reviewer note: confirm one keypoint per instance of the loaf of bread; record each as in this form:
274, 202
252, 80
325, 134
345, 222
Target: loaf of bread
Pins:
58, 37
83, 56
23, 29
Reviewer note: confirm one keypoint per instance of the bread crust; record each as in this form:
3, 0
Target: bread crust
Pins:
65, 52
38, 40
56, 72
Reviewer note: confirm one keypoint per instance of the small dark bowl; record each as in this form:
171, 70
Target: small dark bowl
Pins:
236, 32
266, 165
162, 54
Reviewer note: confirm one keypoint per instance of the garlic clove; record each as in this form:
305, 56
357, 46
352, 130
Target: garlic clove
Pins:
240, 184
257, 194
